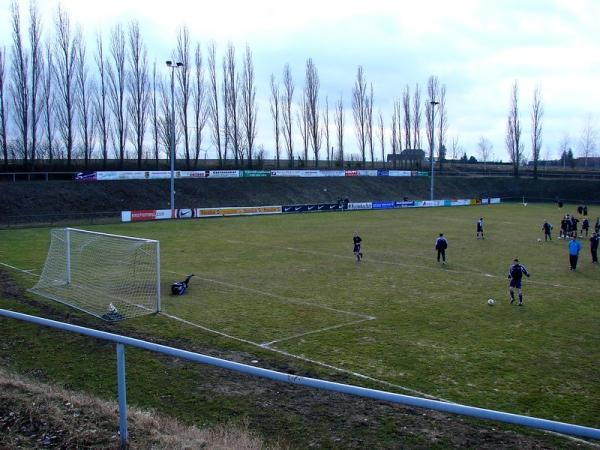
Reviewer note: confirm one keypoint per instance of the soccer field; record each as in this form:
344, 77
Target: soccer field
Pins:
290, 284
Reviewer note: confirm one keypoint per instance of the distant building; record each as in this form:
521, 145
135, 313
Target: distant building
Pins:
408, 158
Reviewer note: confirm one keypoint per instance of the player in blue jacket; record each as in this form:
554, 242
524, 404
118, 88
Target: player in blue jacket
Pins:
574, 249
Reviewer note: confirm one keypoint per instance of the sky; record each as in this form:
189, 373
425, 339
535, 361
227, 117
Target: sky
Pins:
477, 48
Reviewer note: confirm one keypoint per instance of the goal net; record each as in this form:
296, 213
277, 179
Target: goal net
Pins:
109, 276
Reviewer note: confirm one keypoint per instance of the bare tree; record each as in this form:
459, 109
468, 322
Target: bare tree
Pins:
339, 125
48, 103
537, 113
369, 115
102, 114
199, 100
3, 121
303, 126
416, 118
66, 57
154, 111
287, 100
249, 108
430, 103
184, 85
455, 148
139, 89
359, 110
83, 98
213, 102
407, 118
226, 122
513, 131
564, 146
442, 127
381, 136
117, 82
19, 88
396, 132
232, 87
484, 148
311, 93
275, 115
326, 132
37, 61
587, 140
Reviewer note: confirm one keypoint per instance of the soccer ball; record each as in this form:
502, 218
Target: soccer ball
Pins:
539, 239
491, 301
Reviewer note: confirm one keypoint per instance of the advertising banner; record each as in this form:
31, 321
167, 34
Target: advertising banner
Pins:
405, 204
460, 202
297, 173
351, 173
236, 211
367, 173
146, 214
333, 173
495, 201
360, 205
432, 203
383, 205
400, 173
256, 173
223, 173
329, 207
294, 208
85, 176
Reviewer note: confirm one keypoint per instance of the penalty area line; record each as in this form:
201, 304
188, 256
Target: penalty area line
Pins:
308, 360
27, 271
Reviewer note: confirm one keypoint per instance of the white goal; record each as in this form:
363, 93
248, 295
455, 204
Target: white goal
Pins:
109, 276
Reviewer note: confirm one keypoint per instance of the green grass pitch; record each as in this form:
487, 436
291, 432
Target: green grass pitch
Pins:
290, 283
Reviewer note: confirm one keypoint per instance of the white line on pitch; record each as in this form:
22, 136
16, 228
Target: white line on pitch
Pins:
395, 263
302, 358
279, 297
27, 271
320, 330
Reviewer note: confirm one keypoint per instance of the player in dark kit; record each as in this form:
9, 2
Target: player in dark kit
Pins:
515, 275
179, 287
357, 244
441, 244
594, 247
480, 228
547, 229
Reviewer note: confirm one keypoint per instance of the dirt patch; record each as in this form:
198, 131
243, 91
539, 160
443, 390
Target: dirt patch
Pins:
302, 417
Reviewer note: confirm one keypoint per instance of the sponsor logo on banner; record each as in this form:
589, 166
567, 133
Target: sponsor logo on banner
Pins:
241, 211
367, 173
328, 206
312, 207
383, 173
400, 173
85, 176
146, 214
361, 205
333, 173
432, 203
286, 209
224, 173
197, 174
125, 216
405, 204
460, 202
351, 173
256, 173
383, 205
494, 201
185, 213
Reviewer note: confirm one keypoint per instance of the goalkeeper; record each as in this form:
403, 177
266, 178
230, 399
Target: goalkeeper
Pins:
179, 287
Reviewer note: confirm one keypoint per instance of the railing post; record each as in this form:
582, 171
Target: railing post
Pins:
122, 394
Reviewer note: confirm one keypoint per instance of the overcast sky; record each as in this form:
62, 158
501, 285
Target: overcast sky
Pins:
477, 48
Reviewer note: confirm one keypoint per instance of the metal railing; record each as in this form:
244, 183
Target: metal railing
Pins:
121, 341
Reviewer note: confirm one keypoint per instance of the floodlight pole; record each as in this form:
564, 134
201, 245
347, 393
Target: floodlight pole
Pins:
433, 103
173, 65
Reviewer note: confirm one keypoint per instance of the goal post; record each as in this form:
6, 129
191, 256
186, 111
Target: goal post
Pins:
110, 276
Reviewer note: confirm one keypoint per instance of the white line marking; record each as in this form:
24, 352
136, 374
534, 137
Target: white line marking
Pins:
27, 271
312, 361
279, 297
332, 327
